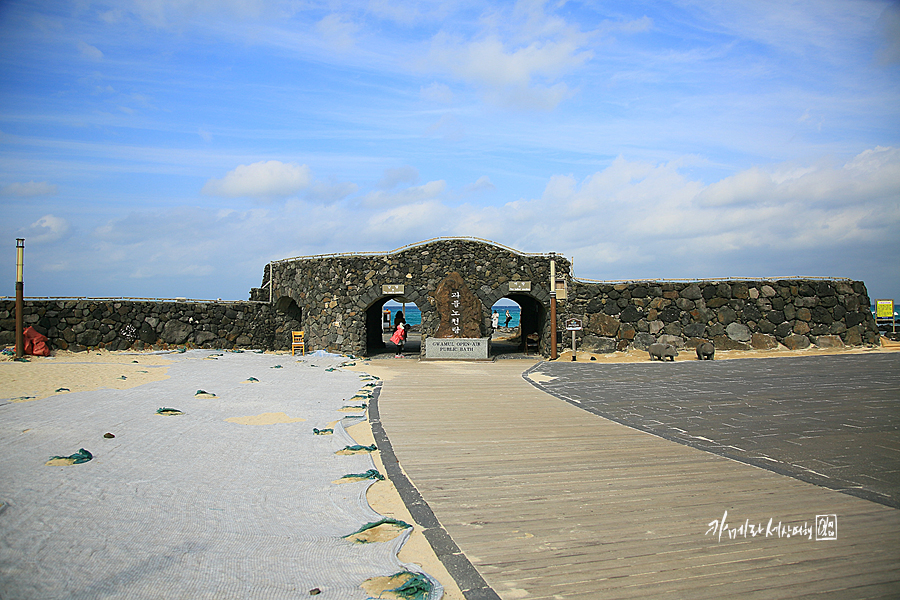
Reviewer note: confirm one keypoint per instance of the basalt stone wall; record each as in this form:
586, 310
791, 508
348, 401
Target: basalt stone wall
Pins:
329, 296
732, 314
122, 324
337, 299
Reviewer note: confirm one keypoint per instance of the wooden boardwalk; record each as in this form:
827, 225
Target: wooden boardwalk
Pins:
549, 501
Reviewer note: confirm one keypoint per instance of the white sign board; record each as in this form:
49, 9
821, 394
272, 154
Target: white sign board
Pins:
573, 324
457, 348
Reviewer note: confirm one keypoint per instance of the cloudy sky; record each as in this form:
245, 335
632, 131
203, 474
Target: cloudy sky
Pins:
170, 148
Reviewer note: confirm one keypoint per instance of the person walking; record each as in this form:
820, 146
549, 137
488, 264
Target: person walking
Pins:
508, 318
399, 338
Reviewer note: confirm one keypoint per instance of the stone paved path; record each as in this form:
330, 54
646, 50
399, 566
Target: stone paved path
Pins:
829, 420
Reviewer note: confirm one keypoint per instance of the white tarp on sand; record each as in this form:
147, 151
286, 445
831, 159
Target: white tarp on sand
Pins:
232, 499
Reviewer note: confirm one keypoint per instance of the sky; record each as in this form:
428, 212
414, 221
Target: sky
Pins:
171, 148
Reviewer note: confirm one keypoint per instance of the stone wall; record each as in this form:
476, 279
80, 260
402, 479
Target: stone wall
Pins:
332, 294
122, 324
337, 301
732, 314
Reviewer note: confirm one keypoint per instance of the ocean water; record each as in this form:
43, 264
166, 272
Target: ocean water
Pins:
414, 316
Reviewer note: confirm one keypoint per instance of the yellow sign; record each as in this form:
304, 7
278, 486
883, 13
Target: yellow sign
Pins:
884, 309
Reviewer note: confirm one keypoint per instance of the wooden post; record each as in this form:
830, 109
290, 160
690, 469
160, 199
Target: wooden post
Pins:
20, 298
553, 353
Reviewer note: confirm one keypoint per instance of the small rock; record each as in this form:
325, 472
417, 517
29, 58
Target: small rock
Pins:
706, 351
796, 342
829, 341
662, 351
762, 341
738, 332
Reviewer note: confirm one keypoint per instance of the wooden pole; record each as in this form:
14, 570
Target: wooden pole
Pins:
20, 299
553, 353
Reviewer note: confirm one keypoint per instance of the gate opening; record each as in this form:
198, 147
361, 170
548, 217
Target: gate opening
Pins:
382, 317
293, 320
523, 333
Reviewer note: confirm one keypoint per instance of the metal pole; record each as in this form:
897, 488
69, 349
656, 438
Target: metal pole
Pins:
553, 354
20, 298
573, 345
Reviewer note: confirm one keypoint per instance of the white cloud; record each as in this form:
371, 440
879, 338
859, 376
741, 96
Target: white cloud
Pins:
269, 179
330, 191
520, 54
338, 32
492, 63
46, 229
400, 222
875, 160
752, 185
30, 189
404, 13
520, 76
398, 175
419, 193
89, 51
630, 219
889, 27
164, 13
482, 183
111, 17
658, 214
448, 127
437, 92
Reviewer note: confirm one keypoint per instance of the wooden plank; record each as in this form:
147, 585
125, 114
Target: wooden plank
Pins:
549, 501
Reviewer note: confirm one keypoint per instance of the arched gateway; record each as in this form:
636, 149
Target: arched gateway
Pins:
337, 299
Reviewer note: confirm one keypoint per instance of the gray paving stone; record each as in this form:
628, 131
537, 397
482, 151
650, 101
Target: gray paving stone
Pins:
829, 420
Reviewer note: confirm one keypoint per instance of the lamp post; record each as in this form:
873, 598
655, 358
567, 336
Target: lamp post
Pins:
20, 298
553, 354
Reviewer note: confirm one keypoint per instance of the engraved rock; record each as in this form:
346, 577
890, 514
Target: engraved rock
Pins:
458, 309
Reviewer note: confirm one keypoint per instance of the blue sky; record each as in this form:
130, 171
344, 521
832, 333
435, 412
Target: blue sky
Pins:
168, 148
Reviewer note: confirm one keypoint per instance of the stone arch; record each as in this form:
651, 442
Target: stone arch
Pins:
289, 318
337, 292
535, 311
288, 307
373, 335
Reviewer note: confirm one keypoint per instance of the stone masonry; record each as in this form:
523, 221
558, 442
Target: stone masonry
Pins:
122, 324
731, 314
337, 301
334, 294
